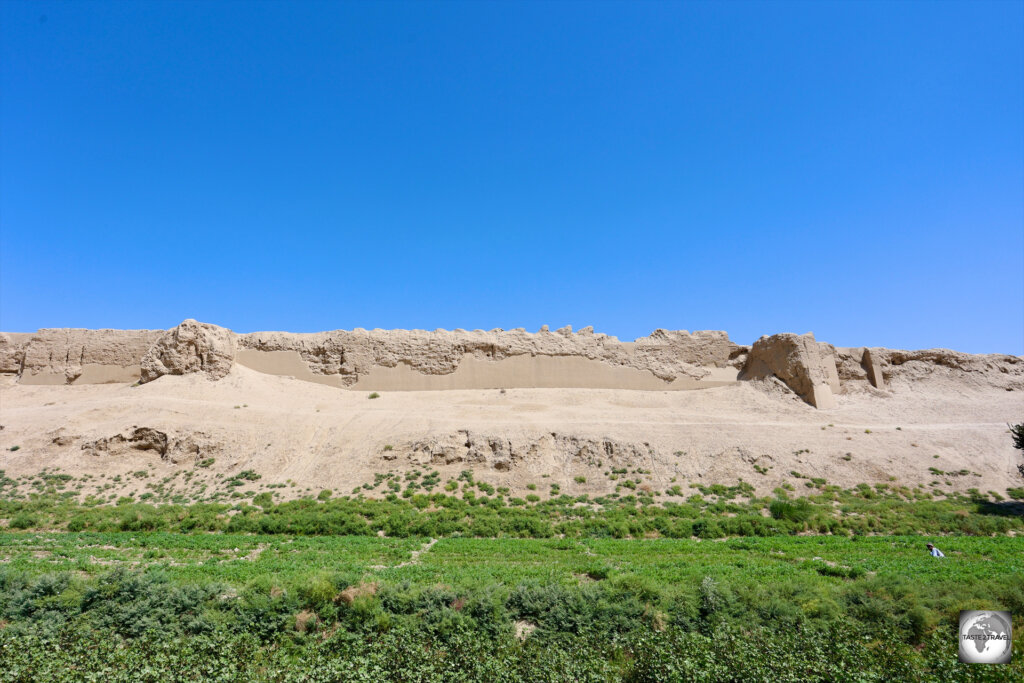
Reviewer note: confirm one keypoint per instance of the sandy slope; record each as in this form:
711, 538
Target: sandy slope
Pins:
324, 437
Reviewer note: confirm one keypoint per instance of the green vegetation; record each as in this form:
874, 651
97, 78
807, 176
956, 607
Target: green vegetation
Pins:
1017, 434
698, 582
162, 606
374, 395
420, 504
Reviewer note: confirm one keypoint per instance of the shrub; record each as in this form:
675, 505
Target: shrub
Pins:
318, 591
374, 395
1016, 433
707, 528
23, 520
711, 600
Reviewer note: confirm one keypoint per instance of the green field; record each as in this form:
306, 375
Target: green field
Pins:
412, 578
237, 559
275, 607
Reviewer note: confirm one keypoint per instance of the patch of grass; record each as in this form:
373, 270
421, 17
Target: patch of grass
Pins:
790, 510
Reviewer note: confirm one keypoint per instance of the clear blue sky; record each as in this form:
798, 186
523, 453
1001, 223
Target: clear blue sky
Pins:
855, 169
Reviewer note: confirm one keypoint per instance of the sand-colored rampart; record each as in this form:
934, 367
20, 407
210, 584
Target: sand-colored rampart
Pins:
542, 372
76, 356
417, 360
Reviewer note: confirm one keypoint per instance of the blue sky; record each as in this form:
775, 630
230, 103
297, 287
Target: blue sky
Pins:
855, 169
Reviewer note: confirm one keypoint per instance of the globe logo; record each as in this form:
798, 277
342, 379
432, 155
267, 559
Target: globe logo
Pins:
985, 637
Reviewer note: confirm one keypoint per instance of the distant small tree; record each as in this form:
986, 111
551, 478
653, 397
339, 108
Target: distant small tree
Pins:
1017, 432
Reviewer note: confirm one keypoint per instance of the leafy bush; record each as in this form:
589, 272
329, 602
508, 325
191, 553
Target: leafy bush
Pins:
23, 520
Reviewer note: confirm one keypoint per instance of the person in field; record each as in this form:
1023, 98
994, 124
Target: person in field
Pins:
934, 552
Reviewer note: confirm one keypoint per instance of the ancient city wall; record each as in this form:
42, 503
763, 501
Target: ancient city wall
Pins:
76, 356
403, 360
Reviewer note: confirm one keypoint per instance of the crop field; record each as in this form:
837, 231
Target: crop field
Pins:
419, 579
471, 563
331, 607
231, 558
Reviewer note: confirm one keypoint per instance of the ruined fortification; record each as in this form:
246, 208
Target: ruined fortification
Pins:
459, 359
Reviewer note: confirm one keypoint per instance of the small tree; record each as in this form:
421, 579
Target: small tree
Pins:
1017, 432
